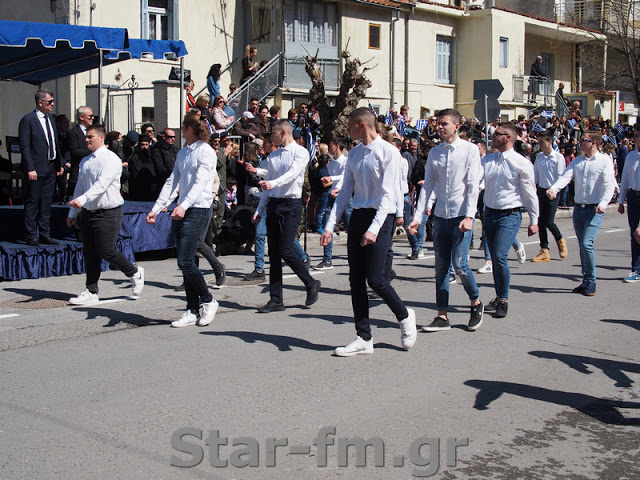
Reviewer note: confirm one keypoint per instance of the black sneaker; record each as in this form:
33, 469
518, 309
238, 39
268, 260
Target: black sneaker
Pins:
179, 288
491, 306
413, 256
221, 275
255, 275
312, 293
272, 306
439, 324
307, 262
477, 312
324, 266
501, 309
582, 288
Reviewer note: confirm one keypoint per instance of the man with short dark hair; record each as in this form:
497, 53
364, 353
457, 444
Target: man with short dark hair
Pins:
371, 180
96, 206
164, 153
630, 191
78, 145
281, 199
452, 173
594, 180
509, 185
147, 129
41, 163
262, 120
548, 167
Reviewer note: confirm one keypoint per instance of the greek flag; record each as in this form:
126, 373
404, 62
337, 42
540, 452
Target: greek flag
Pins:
401, 127
421, 124
388, 118
372, 109
547, 114
311, 145
619, 129
611, 139
536, 127
555, 144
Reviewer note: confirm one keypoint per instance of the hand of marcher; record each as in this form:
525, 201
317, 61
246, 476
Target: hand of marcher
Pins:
75, 203
368, 239
151, 217
532, 230
178, 213
325, 238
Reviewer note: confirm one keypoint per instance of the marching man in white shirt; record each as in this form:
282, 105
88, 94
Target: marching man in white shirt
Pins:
509, 185
594, 180
630, 190
372, 177
96, 206
548, 167
193, 175
452, 173
281, 199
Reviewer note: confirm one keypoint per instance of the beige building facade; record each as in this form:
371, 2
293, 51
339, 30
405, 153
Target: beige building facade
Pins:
424, 54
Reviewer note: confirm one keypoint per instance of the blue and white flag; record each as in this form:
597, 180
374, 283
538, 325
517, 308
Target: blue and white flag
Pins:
400, 127
311, 145
619, 129
555, 144
421, 124
611, 139
372, 109
388, 118
547, 114
536, 127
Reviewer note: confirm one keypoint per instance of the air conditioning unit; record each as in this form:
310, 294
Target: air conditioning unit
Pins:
475, 4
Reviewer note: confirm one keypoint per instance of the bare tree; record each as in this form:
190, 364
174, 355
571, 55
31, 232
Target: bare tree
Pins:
333, 119
619, 20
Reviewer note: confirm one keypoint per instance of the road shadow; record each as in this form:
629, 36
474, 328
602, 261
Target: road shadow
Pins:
611, 368
116, 317
283, 342
629, 323
603, 410
334, 319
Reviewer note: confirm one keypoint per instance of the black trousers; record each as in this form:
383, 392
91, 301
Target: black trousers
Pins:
283, 218
546, 220
368, 264
37, 204
99, 232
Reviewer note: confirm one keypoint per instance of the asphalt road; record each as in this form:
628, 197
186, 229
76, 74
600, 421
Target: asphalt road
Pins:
549, 392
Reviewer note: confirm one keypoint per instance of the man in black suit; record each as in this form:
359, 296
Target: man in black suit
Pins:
78, 145
41, 163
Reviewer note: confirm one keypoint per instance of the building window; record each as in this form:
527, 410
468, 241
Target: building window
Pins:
374, 36
443, 59
160, 19
504, 52
310, 23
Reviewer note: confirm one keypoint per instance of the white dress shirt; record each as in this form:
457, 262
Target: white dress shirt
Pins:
285, 172
593, 178
98, 184
630, 175
452, 173
372, 176
336, 170
404, 174
193, 175
548, 168
47, 125
509, 183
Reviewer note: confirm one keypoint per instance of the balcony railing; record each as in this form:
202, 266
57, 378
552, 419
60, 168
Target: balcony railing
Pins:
533, 90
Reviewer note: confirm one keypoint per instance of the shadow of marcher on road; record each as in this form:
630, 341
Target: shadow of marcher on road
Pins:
283, 342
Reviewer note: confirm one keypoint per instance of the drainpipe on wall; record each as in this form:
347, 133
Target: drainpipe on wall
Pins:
393, 58
578, 68
604, 64
406, 59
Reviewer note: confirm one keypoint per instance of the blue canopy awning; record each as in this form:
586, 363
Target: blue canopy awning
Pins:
138, 47
37, 52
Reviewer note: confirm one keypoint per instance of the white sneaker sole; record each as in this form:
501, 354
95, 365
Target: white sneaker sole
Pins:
84, 304
180, 325
352, 354
139, 291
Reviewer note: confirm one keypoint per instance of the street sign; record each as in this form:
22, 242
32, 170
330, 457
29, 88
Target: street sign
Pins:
493, 110
491, 87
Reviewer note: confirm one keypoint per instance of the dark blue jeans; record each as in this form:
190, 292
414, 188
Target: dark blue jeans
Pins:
501, 228
546, 218
633, 214
187, 233
452, 248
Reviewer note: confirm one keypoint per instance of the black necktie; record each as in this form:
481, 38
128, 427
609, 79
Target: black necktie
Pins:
52, 154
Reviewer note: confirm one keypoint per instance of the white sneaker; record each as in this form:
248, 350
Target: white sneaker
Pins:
137, 281
207, 312
85, 298
408, 330
521, 254
486, 268
357, 347
187, 319
421, 253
